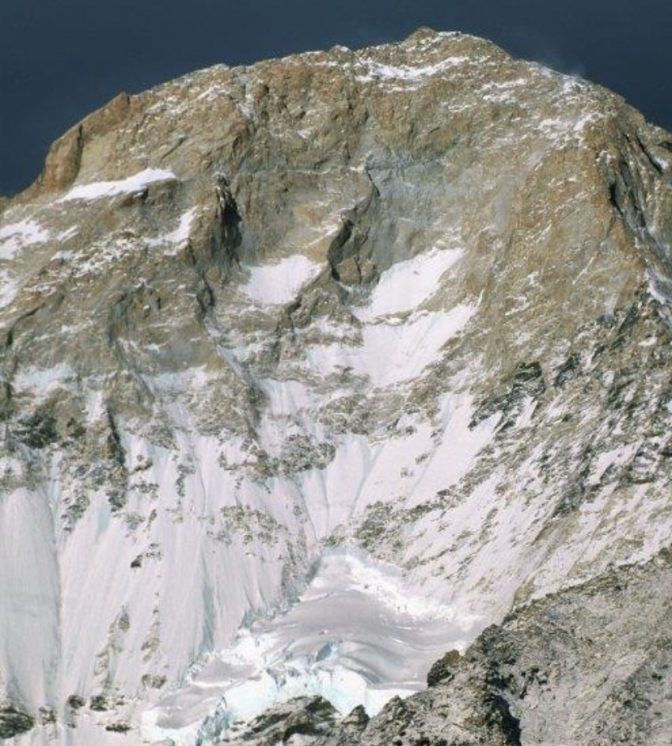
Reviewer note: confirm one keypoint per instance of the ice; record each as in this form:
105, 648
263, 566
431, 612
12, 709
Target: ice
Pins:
358, 634
15, 236
135, 183
280, 282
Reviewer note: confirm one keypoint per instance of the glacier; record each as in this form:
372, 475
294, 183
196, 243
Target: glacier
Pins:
357, 635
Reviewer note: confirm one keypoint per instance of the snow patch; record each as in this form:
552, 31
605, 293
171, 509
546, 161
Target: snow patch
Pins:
406, 285
41, 381
379, 70
179, 235
279, 283
615, 457
66, 235
657, 286
8, 288
16, 236
135, 183
567, 128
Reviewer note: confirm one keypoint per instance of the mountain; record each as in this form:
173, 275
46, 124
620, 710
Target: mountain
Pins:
325, 373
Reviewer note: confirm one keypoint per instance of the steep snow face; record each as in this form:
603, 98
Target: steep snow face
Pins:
408, 284
348, 354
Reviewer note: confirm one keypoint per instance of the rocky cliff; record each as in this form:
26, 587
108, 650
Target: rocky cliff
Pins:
314, 370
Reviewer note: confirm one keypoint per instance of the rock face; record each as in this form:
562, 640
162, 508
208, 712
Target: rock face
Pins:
313, 370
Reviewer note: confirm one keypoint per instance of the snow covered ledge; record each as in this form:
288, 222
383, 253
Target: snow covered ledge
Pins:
136, 183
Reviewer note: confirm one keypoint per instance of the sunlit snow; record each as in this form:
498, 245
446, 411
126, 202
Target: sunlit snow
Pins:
413, 73
394, 351
135, 183
405, 285
280, 282
8, 288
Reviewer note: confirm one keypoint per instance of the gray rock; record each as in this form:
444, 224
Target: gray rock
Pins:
13, 722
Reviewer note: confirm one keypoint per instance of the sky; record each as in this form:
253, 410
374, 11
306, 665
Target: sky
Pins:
61, 59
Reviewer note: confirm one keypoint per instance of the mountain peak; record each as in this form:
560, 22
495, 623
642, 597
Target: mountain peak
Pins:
313, 369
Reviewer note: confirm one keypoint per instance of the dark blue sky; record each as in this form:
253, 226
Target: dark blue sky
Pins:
60, 59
